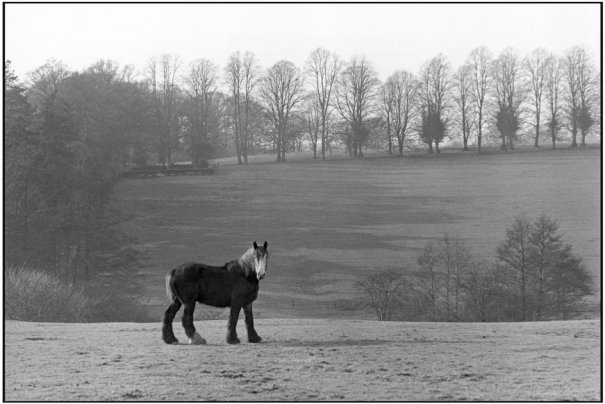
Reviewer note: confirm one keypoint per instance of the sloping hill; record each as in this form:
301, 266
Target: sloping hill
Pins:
306, 360
330, 223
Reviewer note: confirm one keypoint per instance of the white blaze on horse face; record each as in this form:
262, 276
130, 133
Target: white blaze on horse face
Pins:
260, 266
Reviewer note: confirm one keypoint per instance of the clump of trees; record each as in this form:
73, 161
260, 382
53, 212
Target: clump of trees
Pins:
65, 140
534, 277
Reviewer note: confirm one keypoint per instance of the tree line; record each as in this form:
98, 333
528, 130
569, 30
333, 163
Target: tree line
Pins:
199, 110
535, 276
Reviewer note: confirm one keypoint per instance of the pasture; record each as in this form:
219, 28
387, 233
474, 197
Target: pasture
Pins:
329, 223
306, 360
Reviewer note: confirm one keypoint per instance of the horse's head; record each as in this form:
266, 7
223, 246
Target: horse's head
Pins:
261, 258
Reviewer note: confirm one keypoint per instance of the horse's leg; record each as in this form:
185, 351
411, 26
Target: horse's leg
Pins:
194, 337
252, 335
232, 324
167, 333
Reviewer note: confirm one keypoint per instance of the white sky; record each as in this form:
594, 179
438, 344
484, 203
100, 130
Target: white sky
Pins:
392, 36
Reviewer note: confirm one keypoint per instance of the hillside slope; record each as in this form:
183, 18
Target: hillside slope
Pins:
306, 360
330, 223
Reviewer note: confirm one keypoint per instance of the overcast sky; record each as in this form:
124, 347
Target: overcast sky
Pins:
392, 36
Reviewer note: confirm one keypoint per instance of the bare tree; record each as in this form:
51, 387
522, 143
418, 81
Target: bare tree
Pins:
162, 76
554, 73
355, 95
201, 105
480, 63
281, 90
429, 278
381, 291
481, 289
324, 67
312, 121
536, 64
586, 86
463, 89
435, 93
454, 259
515, 252
510, 94
233, 78
578, 75
45, 83
241, 75
400, 104
251, 78
386, 101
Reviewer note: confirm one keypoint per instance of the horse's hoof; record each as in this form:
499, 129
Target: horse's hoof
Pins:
233, 340
197, 340
254, 339
171, 341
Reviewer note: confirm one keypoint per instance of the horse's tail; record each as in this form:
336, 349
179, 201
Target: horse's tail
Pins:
170, 292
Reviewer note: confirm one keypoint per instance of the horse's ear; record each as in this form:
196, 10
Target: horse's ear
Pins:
255, 245
265, 246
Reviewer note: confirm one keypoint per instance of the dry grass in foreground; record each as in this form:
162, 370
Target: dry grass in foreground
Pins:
306, 360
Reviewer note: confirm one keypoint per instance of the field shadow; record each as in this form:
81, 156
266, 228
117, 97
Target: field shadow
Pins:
366, 342
331, 343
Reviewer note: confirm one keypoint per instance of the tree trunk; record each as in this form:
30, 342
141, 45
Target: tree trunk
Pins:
237, 148
464, 133
523, 297
283, 145
389, 137
245, 142
480, 134
574, 135
323, 136
537, 131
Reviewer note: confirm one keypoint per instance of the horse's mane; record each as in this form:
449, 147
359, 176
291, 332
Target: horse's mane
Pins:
242, 266
246, 261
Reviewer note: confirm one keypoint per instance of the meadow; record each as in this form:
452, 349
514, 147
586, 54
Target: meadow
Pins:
306, 360
330, 223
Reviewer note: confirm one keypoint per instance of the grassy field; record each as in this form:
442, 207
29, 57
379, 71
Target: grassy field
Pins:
306, 360
329, 223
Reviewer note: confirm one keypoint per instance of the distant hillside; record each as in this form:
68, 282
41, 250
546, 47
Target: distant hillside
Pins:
330, 223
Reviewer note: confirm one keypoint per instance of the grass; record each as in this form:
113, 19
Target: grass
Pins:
32, 295
306, 360
328, 223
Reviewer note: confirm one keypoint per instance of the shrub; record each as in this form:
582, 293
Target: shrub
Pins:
32, 295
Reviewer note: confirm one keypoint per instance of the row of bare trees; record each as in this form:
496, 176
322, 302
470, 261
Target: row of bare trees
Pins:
506, 95
535, 276
198, 109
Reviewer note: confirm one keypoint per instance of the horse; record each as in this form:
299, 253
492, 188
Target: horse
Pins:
234, 285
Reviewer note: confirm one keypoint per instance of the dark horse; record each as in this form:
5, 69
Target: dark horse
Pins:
234, 285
